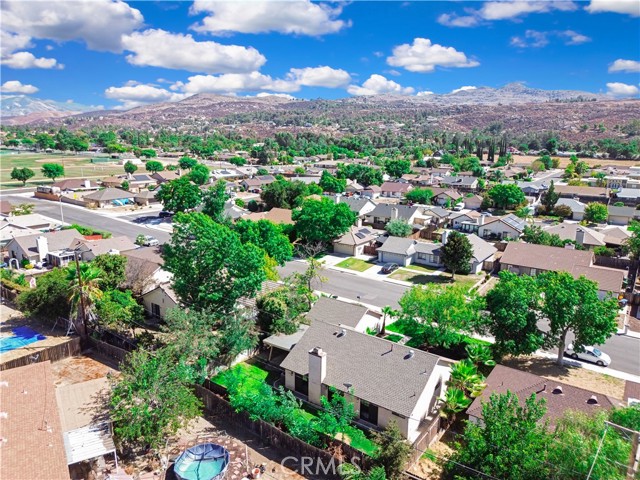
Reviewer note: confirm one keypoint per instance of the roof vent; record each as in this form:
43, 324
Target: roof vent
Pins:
342, 333
593, 400
4, 383
558, 390
410, 354
4, 415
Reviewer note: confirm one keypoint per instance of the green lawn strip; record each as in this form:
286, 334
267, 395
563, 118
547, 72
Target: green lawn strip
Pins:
355, 264
422, 268
394, 338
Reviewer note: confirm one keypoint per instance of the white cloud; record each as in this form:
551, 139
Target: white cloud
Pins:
158, 48
22, 60
532, 38
424, 93
618, 89
573, 38
395, 73
11, 42
376, 85
230, 83
99, 23
299, 17
629, 7
464, 89
424, 56
134, 94
319, 77
15, 86
627, 66
503, 10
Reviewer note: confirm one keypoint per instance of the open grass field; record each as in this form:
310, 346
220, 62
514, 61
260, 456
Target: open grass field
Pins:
75, 166
355, 264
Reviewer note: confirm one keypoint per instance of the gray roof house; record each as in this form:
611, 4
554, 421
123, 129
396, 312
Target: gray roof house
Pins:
584, 236
351, 315
109, 197
385, 212
576, 206
384, 380
622, 215
354, 241
38, 247
358, 205
462, 183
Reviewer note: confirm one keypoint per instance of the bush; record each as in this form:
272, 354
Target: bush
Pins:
604, 252
563, 211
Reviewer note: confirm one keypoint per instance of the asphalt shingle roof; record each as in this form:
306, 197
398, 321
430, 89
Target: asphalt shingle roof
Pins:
385, 210
330, 310
377, 370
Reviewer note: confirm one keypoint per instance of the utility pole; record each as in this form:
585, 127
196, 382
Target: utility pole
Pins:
83, 333
61, 211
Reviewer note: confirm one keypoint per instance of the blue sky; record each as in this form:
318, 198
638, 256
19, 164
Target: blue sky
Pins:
122, 54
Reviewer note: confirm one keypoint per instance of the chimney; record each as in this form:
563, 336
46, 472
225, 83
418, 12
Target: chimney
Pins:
394, 213
42, 245
481, 220
338, 195
317, 373
445, 235
579, 236
87, 183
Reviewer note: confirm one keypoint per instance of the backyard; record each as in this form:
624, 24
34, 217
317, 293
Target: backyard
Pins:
252, 376
75, 166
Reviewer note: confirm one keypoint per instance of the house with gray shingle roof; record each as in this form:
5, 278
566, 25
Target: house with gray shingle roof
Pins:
385, 212
385, 381
109, 197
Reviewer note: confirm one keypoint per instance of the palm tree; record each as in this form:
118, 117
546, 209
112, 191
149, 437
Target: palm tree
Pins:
387, 311
84, 290
454, 402
465, 376
480, 354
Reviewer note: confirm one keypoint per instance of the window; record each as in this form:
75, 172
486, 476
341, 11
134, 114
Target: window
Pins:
155, 310
302, 384
369, 412
422, 256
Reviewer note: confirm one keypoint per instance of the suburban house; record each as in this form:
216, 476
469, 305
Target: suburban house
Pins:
383, 213
395, 189
146, 197
32, 445
275, 215
576, 206
351, 315
90, 249
559, 397
622, 215
5, 207
109, 197
418, 180
361, 206
256, 183
159, 299
385, 381
406, 251
166, 176
445, 197
615, 236
372, 191
42, 246
354, 241
112, 182
468, 222
583, 236
353, 187
76, 185
583, 194
501, 228
473, 202
460, 183
530, 259
139, 181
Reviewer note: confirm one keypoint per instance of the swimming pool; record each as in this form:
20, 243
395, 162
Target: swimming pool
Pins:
21, 337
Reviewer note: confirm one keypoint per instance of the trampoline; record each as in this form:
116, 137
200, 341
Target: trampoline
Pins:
206, 461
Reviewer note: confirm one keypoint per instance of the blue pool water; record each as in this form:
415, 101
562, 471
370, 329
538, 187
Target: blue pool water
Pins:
21, 336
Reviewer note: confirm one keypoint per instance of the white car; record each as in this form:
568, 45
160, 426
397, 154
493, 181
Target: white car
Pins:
590, 354
150, 241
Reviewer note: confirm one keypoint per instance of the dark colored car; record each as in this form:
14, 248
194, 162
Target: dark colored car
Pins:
389, 267
165, 214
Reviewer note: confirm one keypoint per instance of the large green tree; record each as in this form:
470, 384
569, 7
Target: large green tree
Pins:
154, 166
550, 198
179, 195
513, 307
238, 334
511, 442
199, 174
398, 228
187, 163
152, 399
22, 174
113, 270
573, 305
323, 220
84, 291
331, 184
119, 310
210, 265
130, 167
50, 298
397, 168
420, 195
284, 194
52, 170
393, 451
214, 200
505, 196
456, 253
266, 235
596, 212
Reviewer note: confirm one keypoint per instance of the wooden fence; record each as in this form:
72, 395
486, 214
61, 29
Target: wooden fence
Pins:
273, 436
58, 352
615, 262
107, 349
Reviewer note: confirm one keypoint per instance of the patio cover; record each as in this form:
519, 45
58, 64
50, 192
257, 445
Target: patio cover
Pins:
286, 342
88, 442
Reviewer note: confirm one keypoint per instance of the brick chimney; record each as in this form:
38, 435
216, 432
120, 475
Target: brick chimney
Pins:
317, 373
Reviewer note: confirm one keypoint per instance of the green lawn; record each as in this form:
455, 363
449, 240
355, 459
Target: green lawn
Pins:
410, 275
422, 268
355, 264
75, 166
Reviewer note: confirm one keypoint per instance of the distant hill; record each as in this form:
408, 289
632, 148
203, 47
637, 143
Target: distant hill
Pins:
29, 109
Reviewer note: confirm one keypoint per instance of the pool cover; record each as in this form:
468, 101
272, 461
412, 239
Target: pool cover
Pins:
21, 337
206, 461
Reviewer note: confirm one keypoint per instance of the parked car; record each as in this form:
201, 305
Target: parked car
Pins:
389, 267
458, 206
150, 241
165, 214
590, 354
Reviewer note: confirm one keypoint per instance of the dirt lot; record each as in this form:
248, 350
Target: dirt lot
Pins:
429, 466
576, 376
564, 161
